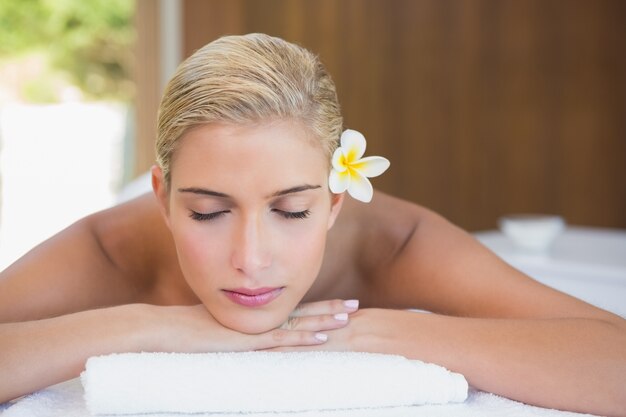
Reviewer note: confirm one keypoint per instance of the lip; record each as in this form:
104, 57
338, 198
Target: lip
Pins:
253, 297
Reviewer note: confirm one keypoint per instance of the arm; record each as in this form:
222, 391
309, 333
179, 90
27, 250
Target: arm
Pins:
43, 338
568, 364
507, 333
39, 353
511, 335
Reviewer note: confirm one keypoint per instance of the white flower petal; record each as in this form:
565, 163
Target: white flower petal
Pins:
371, 166
353, 144
338, 160
360, 188
338, 182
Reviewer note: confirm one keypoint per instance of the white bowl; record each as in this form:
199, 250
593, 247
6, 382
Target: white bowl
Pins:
532, 233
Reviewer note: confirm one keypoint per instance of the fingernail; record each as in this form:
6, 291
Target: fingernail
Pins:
341, 316
321, 337
351, 303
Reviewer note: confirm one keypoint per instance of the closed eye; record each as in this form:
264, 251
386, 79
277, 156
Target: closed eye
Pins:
293, 214
207, 216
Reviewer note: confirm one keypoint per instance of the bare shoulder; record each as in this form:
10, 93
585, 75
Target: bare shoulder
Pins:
362, 244
379, 230
414, 258
112, 257
138, 243
135, 238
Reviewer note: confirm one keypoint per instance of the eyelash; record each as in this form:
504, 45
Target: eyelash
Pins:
206, 216
286, 214
293, 214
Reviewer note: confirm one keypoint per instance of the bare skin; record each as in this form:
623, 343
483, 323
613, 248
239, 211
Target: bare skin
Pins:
111, 283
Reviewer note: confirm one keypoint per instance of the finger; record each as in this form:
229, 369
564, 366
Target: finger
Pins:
283, 338
316, 323
326, 307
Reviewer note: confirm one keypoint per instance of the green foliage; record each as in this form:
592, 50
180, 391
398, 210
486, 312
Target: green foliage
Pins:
20, 25
89, 40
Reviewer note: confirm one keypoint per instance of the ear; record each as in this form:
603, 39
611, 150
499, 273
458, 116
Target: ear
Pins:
161, 193
336, 202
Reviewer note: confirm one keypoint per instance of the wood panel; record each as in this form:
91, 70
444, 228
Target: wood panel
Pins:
484, 107
147, 80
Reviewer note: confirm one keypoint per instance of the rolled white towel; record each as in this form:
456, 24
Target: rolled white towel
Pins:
133, 383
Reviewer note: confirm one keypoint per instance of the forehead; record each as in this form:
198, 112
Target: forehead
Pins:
220, 152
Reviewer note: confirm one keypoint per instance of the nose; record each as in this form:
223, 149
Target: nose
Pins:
250, 253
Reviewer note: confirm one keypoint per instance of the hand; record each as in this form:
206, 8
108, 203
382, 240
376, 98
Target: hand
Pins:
369, 330
193, 329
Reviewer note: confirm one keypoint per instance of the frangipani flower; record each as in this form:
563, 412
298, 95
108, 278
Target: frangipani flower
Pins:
350, 170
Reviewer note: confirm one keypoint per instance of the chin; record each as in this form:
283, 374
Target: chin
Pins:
250, 321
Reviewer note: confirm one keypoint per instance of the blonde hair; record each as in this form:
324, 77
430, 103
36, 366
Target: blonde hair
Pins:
248, 79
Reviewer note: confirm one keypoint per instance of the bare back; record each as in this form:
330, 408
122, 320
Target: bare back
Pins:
388, 254
126, 254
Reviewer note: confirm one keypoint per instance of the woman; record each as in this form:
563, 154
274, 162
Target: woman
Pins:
245, 247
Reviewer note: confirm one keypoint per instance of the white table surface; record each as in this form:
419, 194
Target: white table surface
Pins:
588, 263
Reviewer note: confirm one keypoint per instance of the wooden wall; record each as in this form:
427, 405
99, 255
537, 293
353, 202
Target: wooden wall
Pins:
484, 107
147, 83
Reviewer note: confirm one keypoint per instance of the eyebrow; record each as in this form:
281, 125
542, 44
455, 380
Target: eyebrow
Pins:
296, 189
204, 191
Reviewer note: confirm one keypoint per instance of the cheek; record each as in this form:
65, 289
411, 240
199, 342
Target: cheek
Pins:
200, 254
303, 250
